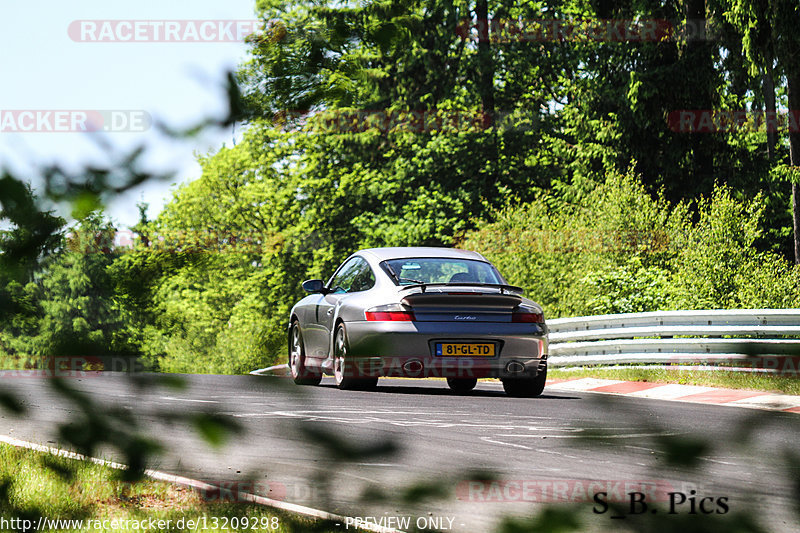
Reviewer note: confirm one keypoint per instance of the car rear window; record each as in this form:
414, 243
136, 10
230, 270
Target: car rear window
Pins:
443, 270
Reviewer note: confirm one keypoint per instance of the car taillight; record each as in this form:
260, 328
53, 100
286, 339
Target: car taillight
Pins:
390, 316
521, 315
389, 313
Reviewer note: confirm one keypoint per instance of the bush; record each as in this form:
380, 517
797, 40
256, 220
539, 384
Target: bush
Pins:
569, 254
629, 288
617, 249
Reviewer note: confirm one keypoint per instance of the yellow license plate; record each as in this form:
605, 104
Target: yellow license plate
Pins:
463, 349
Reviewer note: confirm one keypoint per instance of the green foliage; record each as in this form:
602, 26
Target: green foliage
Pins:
551, 520
717, 250
80, 315
30, 236
629, 288
619, 250
212, 279
567, 253
34, 484
206, 292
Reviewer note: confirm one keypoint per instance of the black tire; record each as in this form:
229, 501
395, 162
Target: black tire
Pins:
367, 383
346, 374
297, 359
462, 385
525, 387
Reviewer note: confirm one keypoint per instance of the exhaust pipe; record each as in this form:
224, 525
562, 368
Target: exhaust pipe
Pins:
413, 367
515, 367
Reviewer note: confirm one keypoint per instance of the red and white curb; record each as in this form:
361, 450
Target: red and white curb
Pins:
681, 393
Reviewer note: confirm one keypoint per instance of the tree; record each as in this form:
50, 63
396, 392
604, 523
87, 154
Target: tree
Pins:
770, 35
31, 238
80, 314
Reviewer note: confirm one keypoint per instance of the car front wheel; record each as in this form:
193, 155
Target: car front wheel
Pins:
297, 360
346, 373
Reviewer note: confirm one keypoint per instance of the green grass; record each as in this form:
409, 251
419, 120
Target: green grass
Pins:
786, 384
34, 484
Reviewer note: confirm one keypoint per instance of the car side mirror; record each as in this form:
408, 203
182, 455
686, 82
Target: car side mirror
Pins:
314, 286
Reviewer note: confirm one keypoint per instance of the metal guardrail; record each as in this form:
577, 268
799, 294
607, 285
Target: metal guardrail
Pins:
712, 336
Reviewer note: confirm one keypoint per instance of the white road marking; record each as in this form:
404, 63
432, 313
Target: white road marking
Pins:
562, 454
318, 416
604, 436
487, 439
643, 448
170, 398
717, 461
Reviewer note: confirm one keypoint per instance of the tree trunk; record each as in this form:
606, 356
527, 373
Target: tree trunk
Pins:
699, 62
768, 86
793, 89
796, 222
486, 91
485, 66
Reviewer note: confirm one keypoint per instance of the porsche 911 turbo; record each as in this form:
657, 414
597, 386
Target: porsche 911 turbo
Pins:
418, 312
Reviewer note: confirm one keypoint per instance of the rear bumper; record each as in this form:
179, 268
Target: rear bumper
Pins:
406, 349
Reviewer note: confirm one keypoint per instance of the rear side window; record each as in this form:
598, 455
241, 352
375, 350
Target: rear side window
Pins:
354, 276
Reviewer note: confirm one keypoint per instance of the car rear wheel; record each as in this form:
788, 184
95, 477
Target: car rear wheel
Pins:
346, 373
462, 384
297, 360
525, 387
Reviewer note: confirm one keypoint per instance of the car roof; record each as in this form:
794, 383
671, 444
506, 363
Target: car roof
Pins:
383, 254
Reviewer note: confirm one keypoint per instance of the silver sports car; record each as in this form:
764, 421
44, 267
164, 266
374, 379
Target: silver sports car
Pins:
418, 312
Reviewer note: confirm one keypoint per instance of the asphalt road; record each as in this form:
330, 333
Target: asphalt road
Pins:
559, 446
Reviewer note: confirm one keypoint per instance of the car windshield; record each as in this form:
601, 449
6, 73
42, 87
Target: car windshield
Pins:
442, 270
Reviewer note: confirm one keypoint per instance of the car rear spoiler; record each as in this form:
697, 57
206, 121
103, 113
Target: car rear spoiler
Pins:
503, 288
